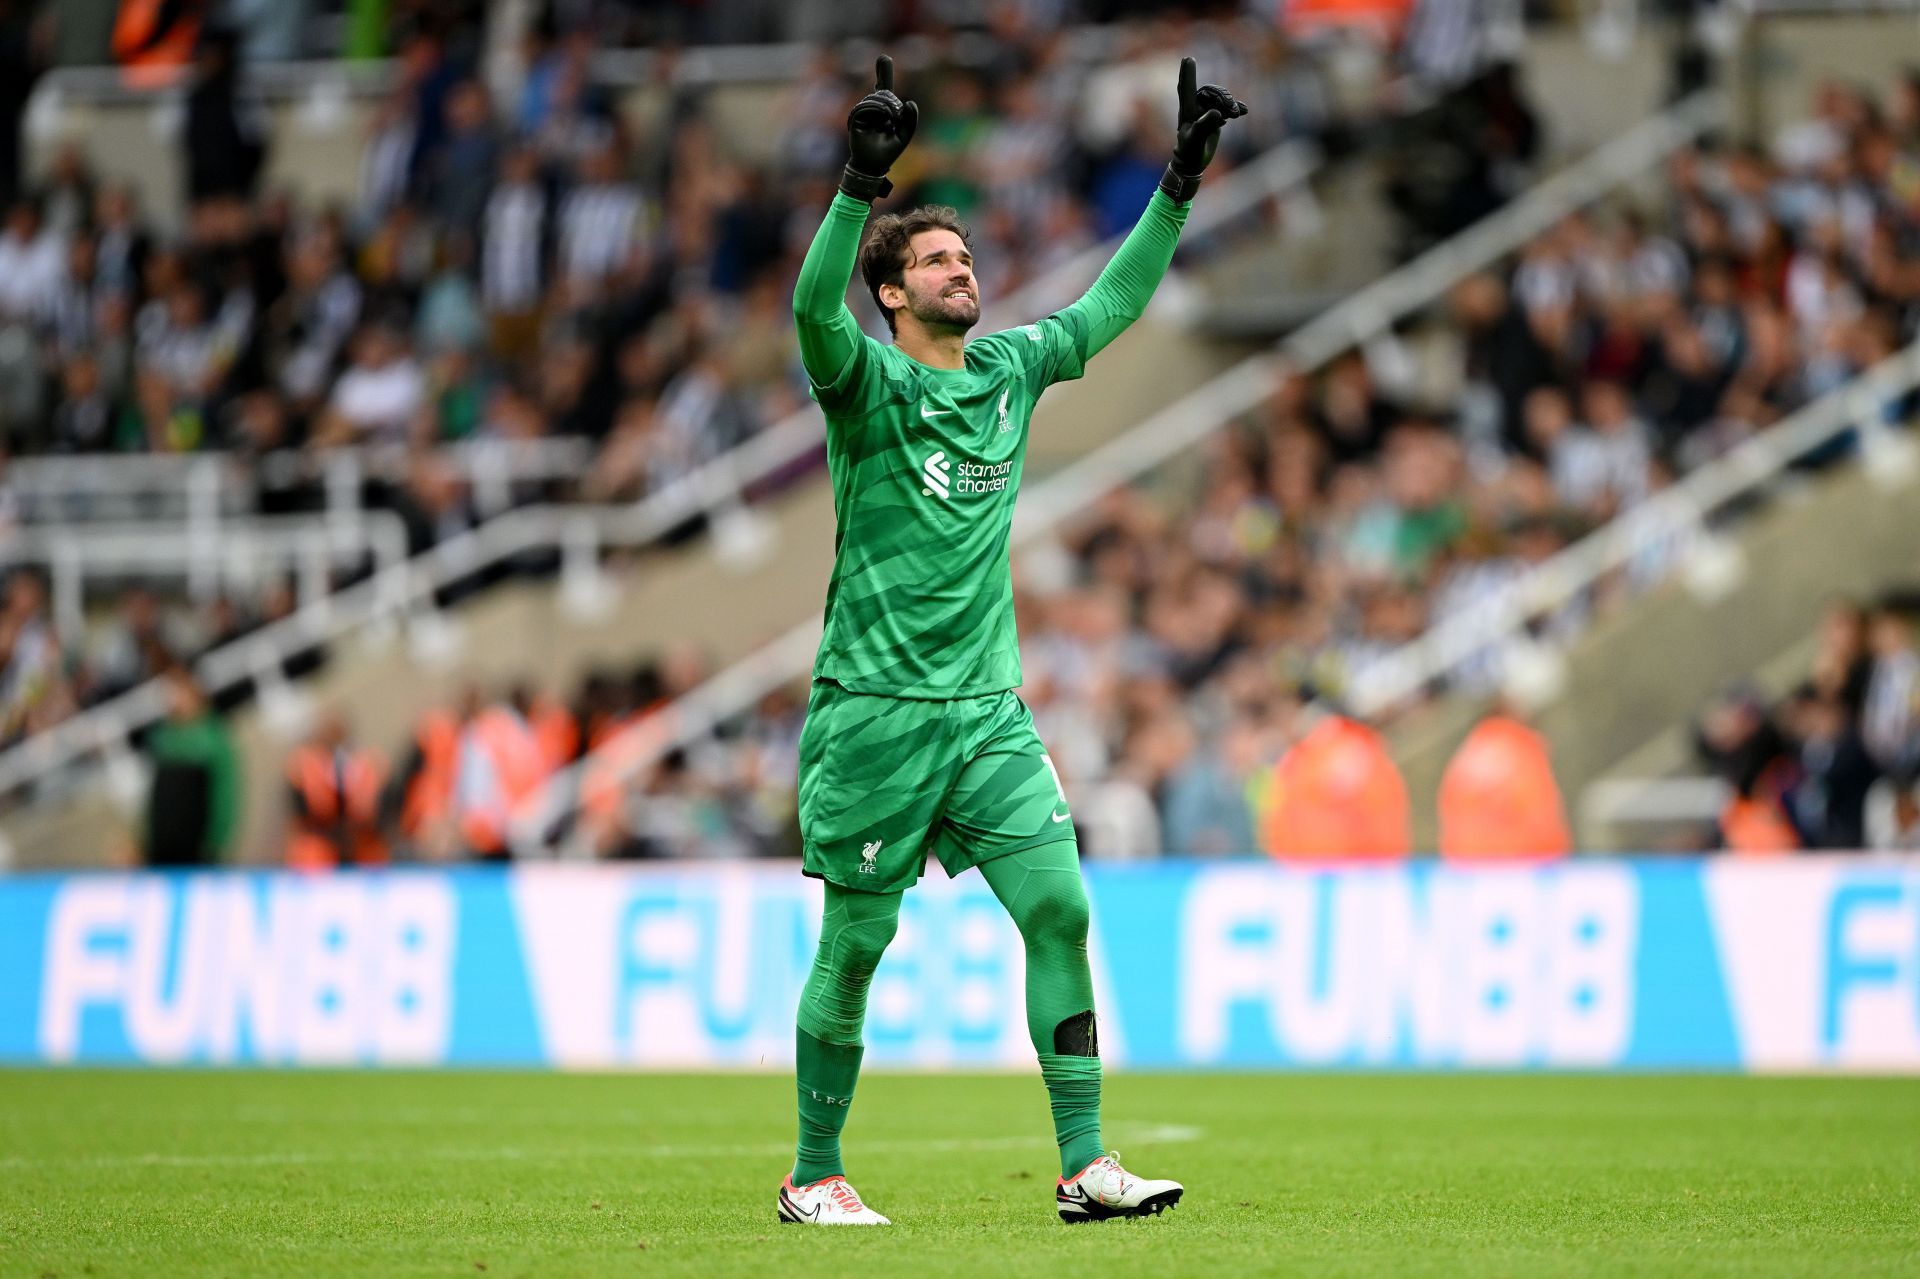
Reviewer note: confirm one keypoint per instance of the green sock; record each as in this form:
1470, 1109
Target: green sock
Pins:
854, 932
1073, 1085
1042, 891
826, 1074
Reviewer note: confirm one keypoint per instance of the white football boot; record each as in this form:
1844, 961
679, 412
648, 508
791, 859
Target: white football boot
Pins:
829, 1201
1104, 1190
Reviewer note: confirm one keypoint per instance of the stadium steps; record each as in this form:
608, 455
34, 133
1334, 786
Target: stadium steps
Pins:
691, 594
1670, 754
1658, 659
1329, 245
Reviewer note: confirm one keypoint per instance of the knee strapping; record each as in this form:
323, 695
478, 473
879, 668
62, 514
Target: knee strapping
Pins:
854, 951
854, 934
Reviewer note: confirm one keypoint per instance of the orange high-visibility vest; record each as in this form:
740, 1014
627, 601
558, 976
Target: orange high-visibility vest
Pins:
429, 796
519, 767
558, 731
342, 817
1751, 824
1498, 797
1383, 20
152, 56
1337, 794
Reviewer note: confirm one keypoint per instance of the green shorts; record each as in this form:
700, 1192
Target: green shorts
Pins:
885, 780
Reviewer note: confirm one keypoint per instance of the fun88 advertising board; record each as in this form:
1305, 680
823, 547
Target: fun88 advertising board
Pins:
1801, 964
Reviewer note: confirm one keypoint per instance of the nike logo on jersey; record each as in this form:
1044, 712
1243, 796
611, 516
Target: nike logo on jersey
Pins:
1061, 817
933, 413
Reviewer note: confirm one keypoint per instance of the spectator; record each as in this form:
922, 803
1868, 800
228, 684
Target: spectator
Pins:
461, 174
138, 647
1209, 810
601, 225
334, 801
511, 275
32, 264
20, 62
1887, 722
1893, 814
225, 149
420, 797
380, 397
310, 323
1842, 664
34, 690
1498, 796
502, 762
1828, 803
193, 804
1337, 795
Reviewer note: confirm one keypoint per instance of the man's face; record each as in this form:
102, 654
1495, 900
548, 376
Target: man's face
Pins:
938, 284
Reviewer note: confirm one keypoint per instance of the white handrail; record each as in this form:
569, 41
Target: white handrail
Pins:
688, 65
89, 477
1401, 674
1625, 801
1173, 429
722, 482
234, 549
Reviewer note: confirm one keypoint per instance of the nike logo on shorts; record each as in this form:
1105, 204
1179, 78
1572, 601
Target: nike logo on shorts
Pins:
1061, 817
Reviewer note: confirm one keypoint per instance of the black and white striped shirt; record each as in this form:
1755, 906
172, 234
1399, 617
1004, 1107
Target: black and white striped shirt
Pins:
598, 224
510, 267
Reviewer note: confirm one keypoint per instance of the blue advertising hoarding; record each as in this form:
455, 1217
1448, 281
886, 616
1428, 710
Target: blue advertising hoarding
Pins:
1789, 964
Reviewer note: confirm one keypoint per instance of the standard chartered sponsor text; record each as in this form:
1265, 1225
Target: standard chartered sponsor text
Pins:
981, 477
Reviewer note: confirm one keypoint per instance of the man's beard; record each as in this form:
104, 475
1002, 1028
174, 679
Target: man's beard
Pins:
958, 313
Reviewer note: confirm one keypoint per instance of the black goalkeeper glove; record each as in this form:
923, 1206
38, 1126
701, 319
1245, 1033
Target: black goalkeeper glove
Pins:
1202, 112
878, 130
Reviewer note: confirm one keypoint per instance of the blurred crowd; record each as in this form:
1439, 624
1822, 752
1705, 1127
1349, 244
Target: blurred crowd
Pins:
1836, 762
466, 780
45, 677
547, 264
490, 775
543, 266
1167, 635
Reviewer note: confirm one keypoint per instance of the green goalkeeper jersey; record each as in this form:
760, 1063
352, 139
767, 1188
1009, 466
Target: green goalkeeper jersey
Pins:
926, 464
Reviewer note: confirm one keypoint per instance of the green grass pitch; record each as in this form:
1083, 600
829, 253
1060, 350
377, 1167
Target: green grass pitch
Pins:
302, 1174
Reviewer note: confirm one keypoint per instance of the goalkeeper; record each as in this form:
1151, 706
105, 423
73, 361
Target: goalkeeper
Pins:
915, 741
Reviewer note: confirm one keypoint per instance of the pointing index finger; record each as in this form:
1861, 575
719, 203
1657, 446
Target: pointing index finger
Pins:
883, 73
1189, 75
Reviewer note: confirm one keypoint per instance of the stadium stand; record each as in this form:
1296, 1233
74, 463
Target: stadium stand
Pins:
451, 347
1170, 633
1401, 484
1833, 764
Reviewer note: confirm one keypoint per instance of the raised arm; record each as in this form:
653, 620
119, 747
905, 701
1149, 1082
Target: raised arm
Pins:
829, 335
878, 130
1120, 295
